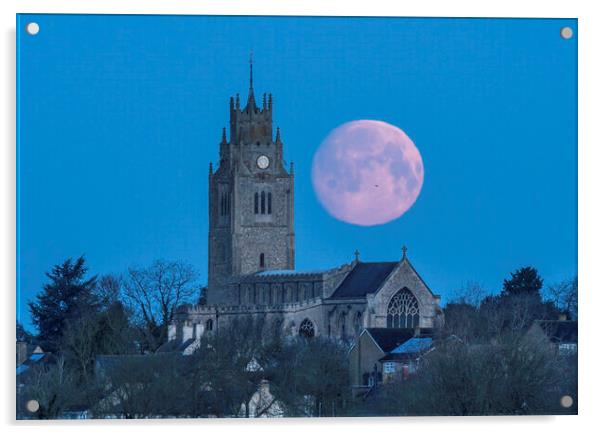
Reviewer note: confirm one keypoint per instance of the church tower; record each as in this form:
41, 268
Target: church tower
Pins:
251, 199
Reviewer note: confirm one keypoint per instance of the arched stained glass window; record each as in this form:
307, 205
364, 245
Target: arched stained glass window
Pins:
269, 203
403, 311
256, 204
306, 329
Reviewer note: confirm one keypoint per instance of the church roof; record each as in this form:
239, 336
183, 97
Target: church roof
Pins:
389, 338
365, 278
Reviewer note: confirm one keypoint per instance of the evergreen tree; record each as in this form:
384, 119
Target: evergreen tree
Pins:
526, 280
68, 295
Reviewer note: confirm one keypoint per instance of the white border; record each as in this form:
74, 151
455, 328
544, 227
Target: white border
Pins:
590, 142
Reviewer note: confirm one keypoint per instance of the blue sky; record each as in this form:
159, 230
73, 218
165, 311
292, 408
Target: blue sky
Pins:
119, 117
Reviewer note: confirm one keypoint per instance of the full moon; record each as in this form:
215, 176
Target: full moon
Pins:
367, 172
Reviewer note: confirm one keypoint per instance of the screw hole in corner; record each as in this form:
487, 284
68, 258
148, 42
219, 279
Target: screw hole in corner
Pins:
566, 33
566, 401
32, 28
32, 405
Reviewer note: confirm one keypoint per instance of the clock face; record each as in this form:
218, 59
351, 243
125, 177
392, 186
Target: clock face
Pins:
263, 162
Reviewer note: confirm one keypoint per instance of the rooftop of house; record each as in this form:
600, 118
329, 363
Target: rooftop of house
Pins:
389, 338
559, 331
410, 349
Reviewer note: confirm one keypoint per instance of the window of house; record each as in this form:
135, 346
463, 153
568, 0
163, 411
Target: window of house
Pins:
261, 260
389, 367
209, 325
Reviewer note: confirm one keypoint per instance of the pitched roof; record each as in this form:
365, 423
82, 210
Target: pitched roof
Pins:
559, 331
388, 339
175, 346
413, 345
364, 278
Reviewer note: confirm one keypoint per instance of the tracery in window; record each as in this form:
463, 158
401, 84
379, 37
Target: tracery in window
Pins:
403, 311
306, 329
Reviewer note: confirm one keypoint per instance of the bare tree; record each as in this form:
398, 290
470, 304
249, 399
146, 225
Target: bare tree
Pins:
79, 345
564, 297
517, 375
54, 389
144, 386
108, 289
230, 366
470, 292
155, 292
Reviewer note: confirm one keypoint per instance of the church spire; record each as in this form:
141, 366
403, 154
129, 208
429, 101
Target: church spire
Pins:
251, 101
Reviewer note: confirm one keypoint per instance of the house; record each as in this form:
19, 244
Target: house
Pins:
25, 350
30, 356
372, 345
404, 358
562, 334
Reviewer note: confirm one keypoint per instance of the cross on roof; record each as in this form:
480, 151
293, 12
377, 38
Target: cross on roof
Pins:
404, 250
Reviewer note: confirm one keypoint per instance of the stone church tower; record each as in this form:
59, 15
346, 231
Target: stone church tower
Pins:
251, 200
252, 256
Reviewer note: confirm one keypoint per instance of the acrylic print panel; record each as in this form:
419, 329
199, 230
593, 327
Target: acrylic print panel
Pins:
295, 216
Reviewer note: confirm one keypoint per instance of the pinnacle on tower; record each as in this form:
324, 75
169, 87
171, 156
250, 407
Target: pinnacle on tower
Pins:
278, 135
251, 101
224, 140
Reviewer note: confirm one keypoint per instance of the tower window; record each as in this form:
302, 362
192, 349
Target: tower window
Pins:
225, 203
256, 203
269, 203
261, 260
263, 202
209, 325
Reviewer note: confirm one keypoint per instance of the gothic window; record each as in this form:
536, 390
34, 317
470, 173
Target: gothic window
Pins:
261, 260
256, 203
403, 311
358, 323
225, 203
269, 203
209, 325
306, 329
263, 202
341, 325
